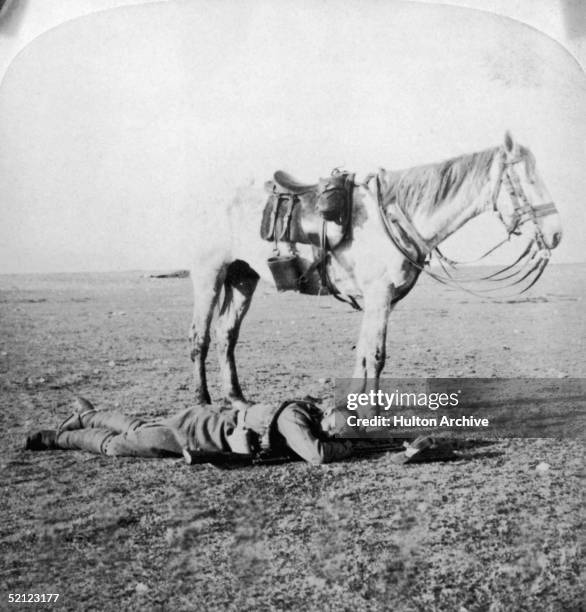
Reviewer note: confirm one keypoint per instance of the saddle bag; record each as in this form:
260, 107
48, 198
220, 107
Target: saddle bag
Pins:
331, 203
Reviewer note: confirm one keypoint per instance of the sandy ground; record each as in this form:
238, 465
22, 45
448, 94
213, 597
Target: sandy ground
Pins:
486, 532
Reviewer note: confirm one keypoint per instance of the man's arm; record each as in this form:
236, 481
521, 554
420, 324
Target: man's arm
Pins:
305, 438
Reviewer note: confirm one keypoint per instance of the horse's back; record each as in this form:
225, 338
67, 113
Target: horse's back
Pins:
226, 227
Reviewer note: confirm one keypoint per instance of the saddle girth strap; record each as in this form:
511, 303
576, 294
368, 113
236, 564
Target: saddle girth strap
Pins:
345, 183
325, 279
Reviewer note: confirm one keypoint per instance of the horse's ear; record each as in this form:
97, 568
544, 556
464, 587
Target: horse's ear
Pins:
509, 142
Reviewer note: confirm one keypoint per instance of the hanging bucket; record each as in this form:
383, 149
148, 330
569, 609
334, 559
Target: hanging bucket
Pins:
286, 271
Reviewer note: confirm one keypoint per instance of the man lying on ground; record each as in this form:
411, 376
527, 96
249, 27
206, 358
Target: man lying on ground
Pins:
201, 433
294, 429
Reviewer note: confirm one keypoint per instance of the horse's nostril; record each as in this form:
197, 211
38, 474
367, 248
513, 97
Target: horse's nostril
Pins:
555, 240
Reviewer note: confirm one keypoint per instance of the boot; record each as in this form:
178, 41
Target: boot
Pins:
81, 408
45, 439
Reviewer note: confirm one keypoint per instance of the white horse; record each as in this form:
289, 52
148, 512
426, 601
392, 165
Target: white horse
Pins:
372, 263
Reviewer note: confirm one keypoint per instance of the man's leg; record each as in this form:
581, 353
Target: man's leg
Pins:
110, 433
85, 429
92, 440
149, 440
86, 416
111, 420
305, 437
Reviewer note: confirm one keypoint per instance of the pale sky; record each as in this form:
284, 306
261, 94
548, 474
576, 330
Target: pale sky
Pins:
114, 124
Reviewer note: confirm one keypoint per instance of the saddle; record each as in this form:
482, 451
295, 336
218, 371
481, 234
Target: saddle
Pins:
281, 222
289, 184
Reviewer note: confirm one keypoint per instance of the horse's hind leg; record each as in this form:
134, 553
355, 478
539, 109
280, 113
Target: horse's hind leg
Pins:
239, 287
207, 284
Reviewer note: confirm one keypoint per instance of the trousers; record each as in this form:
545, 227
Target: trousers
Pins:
115, 434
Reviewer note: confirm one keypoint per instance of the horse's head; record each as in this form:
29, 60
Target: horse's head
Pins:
521, 198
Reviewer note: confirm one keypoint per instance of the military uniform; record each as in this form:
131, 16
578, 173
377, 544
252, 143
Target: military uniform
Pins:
292, 428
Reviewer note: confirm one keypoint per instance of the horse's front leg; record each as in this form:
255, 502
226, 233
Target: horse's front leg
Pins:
371, 347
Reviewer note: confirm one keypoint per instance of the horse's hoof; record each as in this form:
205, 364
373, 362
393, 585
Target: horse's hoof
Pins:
239, 404
203, 399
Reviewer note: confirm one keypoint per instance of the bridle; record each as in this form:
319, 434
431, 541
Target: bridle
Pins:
535, 256
523, 210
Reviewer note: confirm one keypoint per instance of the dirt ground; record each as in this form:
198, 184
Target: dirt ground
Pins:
487, 532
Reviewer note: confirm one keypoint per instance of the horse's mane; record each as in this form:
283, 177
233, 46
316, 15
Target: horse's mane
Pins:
429, 185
